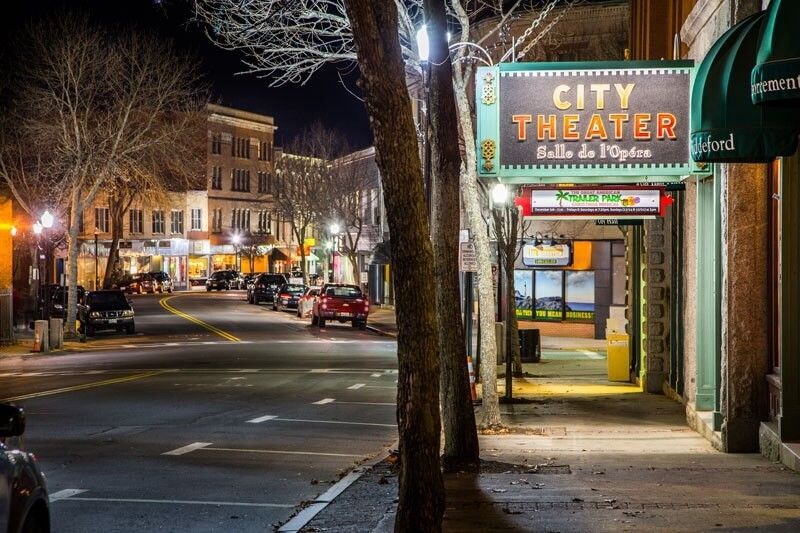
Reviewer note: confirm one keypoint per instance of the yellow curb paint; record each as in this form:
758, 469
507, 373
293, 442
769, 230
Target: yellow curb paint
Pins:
190, 318
84, 386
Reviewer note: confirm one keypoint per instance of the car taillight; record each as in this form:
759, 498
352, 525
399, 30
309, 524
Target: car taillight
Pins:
259, 286
284, 295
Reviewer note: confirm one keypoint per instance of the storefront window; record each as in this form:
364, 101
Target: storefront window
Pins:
579, 295
549, 294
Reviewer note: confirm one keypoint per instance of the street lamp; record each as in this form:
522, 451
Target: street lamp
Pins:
424, 50
334, 229
96, 261
47, 219
13, 231
236, 239
500, 197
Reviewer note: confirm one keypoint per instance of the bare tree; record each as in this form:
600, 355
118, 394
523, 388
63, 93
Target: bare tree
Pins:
346, 186
380, 59
96, 103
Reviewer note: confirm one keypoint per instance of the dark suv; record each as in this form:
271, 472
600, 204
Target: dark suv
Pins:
23, 490
265, 288
58, 300
222, 279
106, 310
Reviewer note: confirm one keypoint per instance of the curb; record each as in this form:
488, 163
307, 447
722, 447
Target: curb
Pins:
381, 332
306, 515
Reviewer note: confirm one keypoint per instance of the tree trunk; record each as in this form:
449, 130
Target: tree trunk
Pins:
375, 31
72, 254
458, 417
486, 315
353, 257
113, 251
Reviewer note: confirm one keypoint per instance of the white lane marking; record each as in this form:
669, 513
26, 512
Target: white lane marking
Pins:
66, 493
188, 448
284, 452
591, 355
303, 517
324, 401
176, 502
333, 422
249, 370
356, 386
319, 370
379, 387
369, 403
261, 419
375, 375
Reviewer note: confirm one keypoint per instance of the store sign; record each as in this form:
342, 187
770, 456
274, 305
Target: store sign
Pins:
584, 119
600, 202
539, 255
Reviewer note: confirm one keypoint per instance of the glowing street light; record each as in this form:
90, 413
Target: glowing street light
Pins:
37, 227
13, 231
423, 44
499, 194
47, 220
237, 238
334, 228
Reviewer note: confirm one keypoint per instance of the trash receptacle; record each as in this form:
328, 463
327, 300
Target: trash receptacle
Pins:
530, 345
618, 357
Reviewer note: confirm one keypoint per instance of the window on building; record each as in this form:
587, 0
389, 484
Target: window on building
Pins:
158, 222
136, 217
81, 225
579, 295
240, 147
246, 221
240, 180
176, 225
216, 221
368, 213
269, 224
197, 219
216, 178
264, 183
101, 219
264, 151
216, 144
549, 294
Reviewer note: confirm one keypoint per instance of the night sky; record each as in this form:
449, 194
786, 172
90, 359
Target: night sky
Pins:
294, 107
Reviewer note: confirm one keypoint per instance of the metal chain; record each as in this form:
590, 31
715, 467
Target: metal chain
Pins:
538, 20
540, 35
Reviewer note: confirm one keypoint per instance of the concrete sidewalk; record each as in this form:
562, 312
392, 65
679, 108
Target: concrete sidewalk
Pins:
584, 454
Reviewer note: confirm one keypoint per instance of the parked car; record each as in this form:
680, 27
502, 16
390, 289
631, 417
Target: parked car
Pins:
340, 302
23, 490
265, 288
219, 280
306, 302
139, 283
106, 310
288, 296
163, 282
58, 300
250, 279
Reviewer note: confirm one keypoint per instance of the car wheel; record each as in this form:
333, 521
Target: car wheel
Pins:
89, 330
274, 306
169, 290
362, 325
321, 322
138, 290
37, 521
130, 329
314, 320
208, 289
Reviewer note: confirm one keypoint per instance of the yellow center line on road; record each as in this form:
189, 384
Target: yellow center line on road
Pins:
84, 386
190, 318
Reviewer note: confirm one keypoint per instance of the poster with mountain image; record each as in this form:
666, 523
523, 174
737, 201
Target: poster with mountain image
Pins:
549, 295
580, 296
523, 294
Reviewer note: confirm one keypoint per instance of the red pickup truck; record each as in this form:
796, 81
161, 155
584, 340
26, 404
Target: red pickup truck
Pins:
345, 303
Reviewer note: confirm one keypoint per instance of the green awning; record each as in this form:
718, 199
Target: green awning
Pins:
726, 126
776, 76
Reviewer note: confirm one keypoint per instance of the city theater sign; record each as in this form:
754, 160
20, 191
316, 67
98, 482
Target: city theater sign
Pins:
605, 121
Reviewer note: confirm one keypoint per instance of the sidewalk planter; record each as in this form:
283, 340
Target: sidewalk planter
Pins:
618, 357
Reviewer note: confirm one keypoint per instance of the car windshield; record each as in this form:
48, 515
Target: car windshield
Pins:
273, 281
218, 275
160, 276
115, 299
343, 292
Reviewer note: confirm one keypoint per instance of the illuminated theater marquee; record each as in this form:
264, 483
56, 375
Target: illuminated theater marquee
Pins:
558, 119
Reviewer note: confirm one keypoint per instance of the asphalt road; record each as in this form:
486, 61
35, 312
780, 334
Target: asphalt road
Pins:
217, 416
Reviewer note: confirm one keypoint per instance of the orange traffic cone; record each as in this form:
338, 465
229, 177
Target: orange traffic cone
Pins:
472, 388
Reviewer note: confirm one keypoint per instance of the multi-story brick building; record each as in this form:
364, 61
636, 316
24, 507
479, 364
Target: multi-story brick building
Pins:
231, 223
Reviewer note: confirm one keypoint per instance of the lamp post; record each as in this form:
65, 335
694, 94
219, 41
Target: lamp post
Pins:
46, 221
96, 261
237, 240
500, 202
334, 231
423, 49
